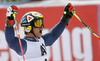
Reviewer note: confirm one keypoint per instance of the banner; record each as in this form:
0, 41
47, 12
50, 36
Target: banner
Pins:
76, 43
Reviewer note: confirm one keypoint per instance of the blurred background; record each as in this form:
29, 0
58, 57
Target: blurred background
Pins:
42, 0
76, 43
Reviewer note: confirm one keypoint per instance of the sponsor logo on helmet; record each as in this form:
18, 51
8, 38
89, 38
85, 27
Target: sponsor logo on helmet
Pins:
29, 18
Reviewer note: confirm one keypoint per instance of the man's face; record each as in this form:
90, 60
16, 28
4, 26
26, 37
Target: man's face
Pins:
38, 31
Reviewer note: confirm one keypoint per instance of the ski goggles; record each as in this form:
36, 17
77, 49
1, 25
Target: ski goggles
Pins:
38, 23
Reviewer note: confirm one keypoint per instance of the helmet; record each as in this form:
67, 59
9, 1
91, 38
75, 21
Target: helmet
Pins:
31, 19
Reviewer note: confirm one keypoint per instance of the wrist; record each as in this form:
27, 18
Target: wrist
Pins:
65, 19
9, 23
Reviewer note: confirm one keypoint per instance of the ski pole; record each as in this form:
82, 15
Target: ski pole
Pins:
85, 25
18, 36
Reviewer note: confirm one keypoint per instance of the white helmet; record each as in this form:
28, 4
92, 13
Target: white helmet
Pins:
31, 19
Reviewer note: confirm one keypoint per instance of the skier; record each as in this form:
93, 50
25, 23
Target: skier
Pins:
34, 43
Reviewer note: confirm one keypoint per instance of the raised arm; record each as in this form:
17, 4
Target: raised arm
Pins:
12, 41
57, 30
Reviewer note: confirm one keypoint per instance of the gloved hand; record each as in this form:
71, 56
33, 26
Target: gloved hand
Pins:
67, 13
9, 15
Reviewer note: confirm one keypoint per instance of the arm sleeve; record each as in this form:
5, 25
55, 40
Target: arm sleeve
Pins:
13, 41
56, 31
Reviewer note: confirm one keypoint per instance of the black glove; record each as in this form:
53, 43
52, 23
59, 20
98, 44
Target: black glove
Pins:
67, 13
9, 15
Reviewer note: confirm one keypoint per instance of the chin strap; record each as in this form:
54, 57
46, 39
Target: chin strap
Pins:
32, 31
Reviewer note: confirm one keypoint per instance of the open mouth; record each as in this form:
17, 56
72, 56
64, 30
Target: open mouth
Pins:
41, 31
